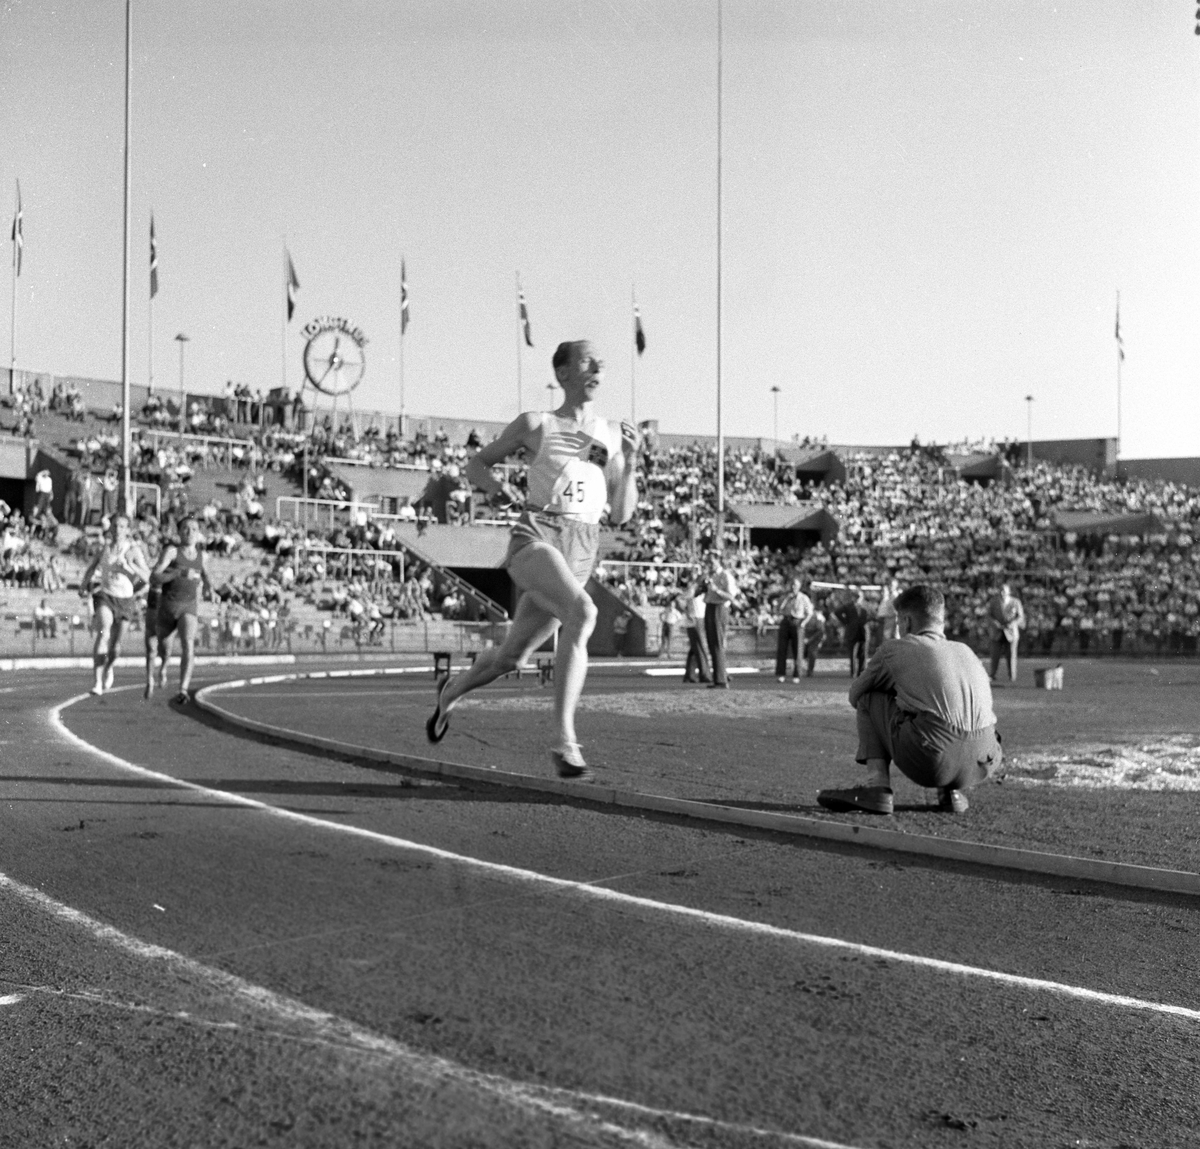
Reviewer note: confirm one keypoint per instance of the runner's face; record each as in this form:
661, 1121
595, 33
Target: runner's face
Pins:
586, 370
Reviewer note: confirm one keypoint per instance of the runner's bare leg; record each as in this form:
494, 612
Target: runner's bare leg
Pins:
548, 581
188, 624
551, 594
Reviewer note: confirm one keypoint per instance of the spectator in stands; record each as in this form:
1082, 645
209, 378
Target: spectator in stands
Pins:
45, 621
109, 488
620, 631
43, 486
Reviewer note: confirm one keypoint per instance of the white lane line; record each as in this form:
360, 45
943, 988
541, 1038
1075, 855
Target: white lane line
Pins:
599, 893
319, 1027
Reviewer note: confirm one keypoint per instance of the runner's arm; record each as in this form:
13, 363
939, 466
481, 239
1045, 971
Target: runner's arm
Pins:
164, 560
205, 580
520, 433
86, 581
622, 477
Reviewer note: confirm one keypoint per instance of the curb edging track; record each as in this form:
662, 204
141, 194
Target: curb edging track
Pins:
922, 845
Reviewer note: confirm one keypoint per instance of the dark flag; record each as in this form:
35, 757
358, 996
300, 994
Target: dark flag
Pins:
18, 231
293, 285
639, 336
523, 314
153, 260
403, 299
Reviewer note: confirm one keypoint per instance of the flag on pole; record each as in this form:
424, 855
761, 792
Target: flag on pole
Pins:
18, 231
403, 299
523, 315
1117, 330
293, 285
639, 336
153, 260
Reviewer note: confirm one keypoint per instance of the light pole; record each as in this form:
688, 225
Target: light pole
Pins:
775, 400
181, 339
1029, 432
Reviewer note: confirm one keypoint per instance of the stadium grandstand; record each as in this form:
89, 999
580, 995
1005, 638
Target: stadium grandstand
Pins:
365, 534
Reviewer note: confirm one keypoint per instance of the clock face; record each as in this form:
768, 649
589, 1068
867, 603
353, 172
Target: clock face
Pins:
333, 362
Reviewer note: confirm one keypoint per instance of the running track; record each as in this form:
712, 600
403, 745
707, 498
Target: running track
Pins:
297, 951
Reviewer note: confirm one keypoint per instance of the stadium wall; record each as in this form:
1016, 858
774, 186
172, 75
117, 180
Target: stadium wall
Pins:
1165, 470
1097, 455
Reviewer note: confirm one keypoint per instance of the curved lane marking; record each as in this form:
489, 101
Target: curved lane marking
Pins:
599, 893
320, 1027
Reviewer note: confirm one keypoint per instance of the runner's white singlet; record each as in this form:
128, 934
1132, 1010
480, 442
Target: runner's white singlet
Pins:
114, 572
567, 475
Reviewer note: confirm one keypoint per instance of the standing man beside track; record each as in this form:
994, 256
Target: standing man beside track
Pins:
581, 465
697, 656
794, 611
722, 591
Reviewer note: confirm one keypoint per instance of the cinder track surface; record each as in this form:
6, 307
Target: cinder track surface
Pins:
390, 961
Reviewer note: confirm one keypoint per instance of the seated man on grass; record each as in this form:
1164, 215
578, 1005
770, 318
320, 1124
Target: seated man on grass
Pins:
925, 704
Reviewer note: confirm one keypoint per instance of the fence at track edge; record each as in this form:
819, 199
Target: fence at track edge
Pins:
1124, 874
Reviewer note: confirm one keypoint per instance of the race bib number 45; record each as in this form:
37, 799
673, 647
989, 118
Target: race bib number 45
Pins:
580, 489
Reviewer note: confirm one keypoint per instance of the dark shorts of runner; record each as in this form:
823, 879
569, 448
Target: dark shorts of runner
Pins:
123, 609
578, 543
170, 611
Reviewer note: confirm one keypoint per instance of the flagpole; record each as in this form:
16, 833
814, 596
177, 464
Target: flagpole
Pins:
1120, 357
633, 360
519, 332
150, 307
403, 305
284, 322
720, 539
126, 474
12, 331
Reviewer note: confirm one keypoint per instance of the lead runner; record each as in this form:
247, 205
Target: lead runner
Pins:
581, 466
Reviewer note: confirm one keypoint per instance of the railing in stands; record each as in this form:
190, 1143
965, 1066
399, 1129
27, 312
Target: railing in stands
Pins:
206, 441
340, 562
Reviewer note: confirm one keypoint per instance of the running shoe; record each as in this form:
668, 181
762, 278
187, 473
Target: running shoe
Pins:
868, 799
183, 698
952, 801
439, 721
569, 763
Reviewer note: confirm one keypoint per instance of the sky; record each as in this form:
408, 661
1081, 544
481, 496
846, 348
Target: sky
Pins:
927, 208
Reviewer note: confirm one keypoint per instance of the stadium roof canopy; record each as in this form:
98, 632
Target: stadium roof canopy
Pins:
980, 465
1095, 523
815, 463
473, 546
810, 517
369, 484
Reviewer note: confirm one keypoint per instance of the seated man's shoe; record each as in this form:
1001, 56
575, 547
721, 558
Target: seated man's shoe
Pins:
952, 801
868, 799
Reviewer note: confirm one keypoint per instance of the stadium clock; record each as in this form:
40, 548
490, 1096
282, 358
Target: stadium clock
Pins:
334, 360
